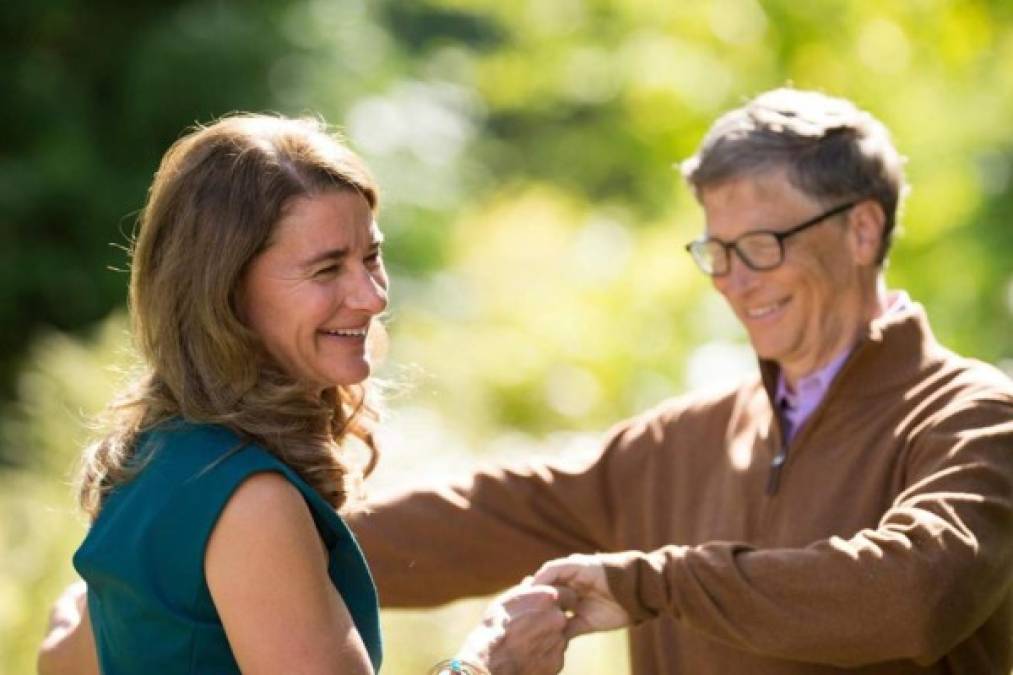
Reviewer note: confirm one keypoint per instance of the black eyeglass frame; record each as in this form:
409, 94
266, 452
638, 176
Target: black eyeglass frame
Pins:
728, 246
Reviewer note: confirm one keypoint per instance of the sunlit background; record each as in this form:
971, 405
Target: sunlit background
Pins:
534, 217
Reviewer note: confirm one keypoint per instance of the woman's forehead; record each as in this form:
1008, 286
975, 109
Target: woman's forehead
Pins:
326, 222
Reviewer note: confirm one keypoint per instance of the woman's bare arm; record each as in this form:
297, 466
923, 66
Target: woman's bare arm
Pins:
266, 568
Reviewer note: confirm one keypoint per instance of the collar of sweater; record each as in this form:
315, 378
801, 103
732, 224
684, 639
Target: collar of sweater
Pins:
892, 350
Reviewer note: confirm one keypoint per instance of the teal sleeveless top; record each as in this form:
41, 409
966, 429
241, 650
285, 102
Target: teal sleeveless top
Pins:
143, 558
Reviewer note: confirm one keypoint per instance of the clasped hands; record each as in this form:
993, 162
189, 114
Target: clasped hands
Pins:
525, 631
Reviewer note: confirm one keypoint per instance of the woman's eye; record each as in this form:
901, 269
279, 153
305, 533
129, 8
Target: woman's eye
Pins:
326, 271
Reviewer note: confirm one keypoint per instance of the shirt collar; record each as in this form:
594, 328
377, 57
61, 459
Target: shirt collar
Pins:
812, 386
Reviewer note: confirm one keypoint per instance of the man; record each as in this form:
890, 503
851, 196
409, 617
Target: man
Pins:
848, 508
851, 507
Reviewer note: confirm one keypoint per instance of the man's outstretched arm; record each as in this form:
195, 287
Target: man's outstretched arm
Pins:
480, 535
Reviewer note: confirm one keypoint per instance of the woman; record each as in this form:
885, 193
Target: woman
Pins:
215, 545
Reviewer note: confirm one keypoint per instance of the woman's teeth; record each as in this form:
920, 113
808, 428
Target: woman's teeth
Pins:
347, 332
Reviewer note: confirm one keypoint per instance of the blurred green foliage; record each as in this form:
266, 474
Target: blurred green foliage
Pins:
535, 220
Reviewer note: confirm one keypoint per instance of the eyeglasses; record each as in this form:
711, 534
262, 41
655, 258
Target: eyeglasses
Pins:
759, 250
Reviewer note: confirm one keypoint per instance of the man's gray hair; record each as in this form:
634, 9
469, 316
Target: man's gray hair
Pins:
830, 149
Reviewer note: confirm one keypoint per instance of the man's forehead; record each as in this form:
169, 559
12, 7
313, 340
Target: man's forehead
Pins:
762, 184
765, 200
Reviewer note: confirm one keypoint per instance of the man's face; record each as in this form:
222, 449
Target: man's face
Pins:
810, 308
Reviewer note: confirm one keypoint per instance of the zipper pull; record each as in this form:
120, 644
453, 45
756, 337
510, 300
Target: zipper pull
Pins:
774, 477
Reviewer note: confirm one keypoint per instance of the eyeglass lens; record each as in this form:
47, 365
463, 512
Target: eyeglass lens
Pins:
760, 250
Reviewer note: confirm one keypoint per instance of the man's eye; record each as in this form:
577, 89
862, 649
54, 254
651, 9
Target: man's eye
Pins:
374, 258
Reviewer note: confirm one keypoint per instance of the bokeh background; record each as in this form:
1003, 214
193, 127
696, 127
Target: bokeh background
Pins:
534, 216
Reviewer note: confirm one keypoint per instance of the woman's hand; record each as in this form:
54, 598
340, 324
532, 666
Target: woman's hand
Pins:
522, 632
69, 646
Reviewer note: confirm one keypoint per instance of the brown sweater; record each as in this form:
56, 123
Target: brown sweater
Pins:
887, 546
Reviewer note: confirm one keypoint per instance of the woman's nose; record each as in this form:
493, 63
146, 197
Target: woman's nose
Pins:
368, 292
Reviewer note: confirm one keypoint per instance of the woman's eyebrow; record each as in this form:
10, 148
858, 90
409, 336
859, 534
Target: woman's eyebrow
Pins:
330, 254
339, 253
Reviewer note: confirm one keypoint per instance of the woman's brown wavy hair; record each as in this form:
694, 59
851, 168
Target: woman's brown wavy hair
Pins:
211, 209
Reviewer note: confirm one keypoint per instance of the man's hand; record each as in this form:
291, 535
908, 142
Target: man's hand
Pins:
595, 608
522, 632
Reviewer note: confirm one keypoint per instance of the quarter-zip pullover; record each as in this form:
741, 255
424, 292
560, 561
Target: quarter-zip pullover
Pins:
886, 548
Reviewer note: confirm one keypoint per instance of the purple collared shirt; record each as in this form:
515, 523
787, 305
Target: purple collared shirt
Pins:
795, 407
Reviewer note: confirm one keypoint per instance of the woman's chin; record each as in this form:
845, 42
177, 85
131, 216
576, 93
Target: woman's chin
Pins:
348, 375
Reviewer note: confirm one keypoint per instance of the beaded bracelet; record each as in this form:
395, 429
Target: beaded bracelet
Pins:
457, 667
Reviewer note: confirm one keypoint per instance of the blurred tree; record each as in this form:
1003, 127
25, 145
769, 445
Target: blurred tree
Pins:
100, 90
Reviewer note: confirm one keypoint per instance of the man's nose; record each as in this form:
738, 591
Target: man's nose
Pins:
740, 277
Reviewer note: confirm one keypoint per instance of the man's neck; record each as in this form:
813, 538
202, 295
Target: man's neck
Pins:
874, 304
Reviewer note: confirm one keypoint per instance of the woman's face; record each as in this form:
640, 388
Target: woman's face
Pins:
311, 295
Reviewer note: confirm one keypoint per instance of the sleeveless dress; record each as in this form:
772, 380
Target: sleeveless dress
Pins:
143, 558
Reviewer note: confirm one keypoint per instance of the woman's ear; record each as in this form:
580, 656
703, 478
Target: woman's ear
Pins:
866, 223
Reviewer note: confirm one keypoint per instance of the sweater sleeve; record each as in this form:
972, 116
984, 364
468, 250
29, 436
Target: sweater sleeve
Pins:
936, 567
475, 537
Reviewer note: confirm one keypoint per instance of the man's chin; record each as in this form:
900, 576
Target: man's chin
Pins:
765, 352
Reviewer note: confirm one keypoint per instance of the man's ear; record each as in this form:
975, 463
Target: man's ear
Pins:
866, 222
